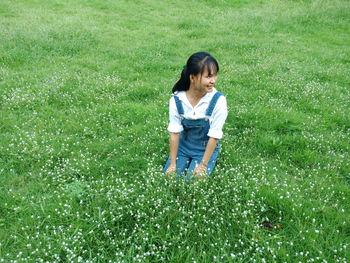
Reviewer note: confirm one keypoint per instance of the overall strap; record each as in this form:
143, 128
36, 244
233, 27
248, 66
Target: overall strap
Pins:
179, 107
212, 103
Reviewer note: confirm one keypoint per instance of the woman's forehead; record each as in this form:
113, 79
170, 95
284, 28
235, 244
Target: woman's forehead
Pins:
209, 69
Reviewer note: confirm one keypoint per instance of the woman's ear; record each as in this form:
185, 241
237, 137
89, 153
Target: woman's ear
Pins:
192, 77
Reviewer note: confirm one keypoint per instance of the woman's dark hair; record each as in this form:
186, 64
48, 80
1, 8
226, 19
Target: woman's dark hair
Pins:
196, 63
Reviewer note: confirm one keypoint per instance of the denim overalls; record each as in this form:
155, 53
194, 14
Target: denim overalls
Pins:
193, 141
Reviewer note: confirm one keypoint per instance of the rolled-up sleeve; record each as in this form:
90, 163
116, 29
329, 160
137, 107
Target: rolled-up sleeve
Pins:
174, 118
218, 118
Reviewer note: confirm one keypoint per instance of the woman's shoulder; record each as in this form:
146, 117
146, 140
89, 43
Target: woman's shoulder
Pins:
215, 91
219, 97
179, 94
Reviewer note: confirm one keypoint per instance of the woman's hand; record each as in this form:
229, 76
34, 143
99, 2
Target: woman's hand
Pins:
200, 170
171, 169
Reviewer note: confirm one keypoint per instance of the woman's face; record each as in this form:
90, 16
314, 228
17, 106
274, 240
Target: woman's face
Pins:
204, 82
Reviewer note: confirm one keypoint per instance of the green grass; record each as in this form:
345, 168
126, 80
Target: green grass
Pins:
84, 91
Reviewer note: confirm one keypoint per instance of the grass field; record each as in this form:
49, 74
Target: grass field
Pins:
84, 91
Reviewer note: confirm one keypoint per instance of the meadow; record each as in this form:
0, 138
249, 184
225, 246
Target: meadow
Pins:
84, 92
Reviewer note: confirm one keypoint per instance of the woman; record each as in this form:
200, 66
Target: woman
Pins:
197, 114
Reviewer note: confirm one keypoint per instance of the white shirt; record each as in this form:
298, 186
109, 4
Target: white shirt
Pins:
216, 120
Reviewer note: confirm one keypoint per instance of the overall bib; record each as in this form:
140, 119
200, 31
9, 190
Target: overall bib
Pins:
193, 141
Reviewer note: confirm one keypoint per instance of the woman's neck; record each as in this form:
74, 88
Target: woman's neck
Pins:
195, 94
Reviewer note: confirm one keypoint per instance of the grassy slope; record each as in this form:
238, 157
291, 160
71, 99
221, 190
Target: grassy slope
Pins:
84, 92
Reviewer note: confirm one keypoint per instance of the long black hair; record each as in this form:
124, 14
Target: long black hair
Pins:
196, 63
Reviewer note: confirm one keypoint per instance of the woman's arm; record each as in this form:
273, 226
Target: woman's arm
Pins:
215, 133
174, 145
202, 167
